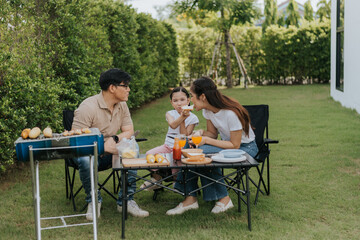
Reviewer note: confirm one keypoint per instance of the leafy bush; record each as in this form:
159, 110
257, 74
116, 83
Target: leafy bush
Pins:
196, 49
278, 56
297, 54
52, 53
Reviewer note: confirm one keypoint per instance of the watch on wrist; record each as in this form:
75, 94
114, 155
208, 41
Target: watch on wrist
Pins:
116, 138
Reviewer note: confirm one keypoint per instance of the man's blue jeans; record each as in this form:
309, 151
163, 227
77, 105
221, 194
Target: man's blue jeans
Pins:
104, 162
214, 191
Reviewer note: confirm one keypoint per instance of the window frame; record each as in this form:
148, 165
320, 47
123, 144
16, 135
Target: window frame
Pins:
339, 47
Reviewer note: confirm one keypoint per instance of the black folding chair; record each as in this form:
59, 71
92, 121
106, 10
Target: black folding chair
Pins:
68, 117
259, 115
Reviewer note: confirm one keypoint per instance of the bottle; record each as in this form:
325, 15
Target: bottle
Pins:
176, 150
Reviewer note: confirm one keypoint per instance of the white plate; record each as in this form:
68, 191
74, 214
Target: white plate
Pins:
232, 153
220, 158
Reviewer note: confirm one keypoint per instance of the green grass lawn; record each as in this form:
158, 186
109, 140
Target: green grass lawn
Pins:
315, 180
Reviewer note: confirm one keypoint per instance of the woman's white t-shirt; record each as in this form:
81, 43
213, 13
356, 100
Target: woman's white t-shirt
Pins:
226, 121
192, 119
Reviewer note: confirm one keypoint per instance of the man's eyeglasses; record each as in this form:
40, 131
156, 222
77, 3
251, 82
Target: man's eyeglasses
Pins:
122, 85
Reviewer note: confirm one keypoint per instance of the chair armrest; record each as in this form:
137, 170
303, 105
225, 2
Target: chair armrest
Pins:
268, 140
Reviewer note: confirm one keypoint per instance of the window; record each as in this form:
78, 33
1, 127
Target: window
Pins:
340, 45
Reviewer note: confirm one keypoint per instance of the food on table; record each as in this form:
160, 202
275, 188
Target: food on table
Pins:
128, 153
196, 158
77, 132
159, 158
25, 133
85, 130
34, 133
150, 158
47, 132
191, 151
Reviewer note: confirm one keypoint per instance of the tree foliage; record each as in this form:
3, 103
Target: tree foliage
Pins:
293, 15
324, 9
270, 12
308, 11
225, 14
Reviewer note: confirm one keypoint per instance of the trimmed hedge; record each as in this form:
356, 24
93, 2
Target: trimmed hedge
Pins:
278, 56
52, 53
297, 54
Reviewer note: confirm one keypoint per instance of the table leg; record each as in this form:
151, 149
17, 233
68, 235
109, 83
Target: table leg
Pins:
36, 195
248, 198
94, 199
38, 199
124, 203
125, 190
238, 174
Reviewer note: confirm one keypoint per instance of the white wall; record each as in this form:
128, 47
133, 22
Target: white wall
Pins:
350, 97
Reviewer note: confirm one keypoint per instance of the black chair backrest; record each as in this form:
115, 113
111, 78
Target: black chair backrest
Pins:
68, 117
259, 116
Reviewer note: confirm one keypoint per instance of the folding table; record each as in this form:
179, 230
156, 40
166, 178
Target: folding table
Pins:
240, 169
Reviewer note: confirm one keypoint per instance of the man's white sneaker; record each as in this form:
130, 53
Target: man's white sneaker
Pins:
146, 183
220, 207
134, 209
89, 213
179, 209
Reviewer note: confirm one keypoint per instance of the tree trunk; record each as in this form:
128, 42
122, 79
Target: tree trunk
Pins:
228, 62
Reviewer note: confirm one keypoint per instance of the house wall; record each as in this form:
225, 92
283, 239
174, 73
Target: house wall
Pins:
350, 97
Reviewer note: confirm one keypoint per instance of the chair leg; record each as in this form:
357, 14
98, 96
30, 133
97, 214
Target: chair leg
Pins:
71, 183
268, 175
66, 180
261, 182
114, 184
102, 185
119, 181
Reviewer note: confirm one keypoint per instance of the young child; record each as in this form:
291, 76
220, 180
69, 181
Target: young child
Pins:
180, 122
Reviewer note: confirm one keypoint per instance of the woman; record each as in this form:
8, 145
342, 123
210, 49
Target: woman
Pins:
227, 117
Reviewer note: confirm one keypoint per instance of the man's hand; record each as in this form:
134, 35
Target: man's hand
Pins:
110, 146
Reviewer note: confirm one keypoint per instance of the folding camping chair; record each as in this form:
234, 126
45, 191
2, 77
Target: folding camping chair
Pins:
68, 116
259, 115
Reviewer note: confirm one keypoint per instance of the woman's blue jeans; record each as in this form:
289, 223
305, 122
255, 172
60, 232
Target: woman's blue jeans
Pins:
104, 162
214, 191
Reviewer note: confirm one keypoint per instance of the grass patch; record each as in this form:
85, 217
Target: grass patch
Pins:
315, 179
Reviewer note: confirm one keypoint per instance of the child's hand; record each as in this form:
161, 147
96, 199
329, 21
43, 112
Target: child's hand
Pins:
185, 113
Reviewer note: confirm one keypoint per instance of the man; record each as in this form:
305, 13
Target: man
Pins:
108, 112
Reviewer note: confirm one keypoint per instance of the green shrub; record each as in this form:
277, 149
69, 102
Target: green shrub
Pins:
52, 53
278, 56
196, 49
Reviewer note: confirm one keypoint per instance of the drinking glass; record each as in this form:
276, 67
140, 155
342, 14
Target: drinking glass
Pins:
182, 140
196, 140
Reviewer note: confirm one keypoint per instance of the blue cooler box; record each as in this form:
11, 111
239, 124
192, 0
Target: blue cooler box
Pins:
58, 141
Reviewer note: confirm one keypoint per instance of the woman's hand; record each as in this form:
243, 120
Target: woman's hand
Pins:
203, 141
197, 133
